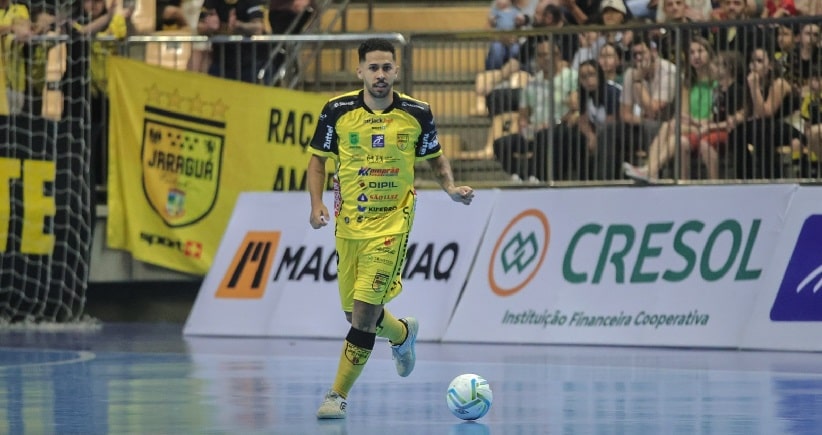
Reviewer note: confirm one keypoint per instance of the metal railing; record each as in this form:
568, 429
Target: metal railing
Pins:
312, 50
476, 107
766, 143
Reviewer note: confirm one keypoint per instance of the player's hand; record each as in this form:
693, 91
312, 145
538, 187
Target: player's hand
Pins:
463, 194
319, 217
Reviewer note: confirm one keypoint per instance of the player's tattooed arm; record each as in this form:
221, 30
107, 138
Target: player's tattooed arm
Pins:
442, 171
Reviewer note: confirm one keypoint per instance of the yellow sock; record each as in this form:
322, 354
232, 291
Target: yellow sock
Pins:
355, 352
391, 328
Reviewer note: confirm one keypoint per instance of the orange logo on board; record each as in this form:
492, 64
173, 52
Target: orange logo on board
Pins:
519, 252
246, 277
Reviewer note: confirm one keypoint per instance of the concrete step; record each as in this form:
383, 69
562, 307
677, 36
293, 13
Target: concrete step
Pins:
431, 63
408, 17
477, 173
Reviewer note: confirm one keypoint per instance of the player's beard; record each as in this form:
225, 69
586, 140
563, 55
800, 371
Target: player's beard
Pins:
380, 92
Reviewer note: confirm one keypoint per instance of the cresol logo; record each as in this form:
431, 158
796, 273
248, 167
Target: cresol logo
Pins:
799, 298
626, 253
519, 252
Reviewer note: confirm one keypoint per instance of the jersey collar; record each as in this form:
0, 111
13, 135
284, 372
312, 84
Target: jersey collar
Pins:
394, 101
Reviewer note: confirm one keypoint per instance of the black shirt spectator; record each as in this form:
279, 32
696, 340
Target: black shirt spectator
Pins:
235, 60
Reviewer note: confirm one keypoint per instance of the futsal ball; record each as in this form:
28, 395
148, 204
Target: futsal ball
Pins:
469, 396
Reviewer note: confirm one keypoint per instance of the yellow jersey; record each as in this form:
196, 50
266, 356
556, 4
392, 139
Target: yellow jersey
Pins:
12, 55
374, 156
101, 50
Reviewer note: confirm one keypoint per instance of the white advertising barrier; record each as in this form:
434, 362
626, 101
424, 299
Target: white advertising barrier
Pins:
633, 266
788, 310
238, 295
275, 276
443, 241
446, 236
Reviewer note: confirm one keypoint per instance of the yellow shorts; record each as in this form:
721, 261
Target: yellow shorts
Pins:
369, 270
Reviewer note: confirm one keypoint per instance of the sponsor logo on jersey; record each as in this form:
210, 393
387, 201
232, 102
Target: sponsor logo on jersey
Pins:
366, 171
403, 139
382, 185
383, 197
429, 142
381, 209
329, 137
416, 106
377, 141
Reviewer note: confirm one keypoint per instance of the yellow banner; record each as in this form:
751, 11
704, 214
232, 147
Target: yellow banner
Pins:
4, 99
182, 146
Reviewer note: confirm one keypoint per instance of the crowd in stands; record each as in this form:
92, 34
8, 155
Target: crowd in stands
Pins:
647, 90
24, 57
38, 67
611, 89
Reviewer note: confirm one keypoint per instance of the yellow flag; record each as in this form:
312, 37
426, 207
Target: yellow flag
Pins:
4, 102
182, 146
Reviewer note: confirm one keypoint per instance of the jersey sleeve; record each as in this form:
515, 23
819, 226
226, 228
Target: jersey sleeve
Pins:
325, 141
428, 144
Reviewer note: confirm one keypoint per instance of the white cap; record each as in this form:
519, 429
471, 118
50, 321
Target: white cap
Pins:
617, 5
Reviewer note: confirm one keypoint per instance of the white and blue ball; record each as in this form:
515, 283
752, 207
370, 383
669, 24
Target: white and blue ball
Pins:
469, 396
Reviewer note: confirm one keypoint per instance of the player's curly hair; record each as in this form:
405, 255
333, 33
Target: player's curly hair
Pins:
375, 44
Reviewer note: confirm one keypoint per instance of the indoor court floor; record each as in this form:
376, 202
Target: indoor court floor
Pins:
137, 378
